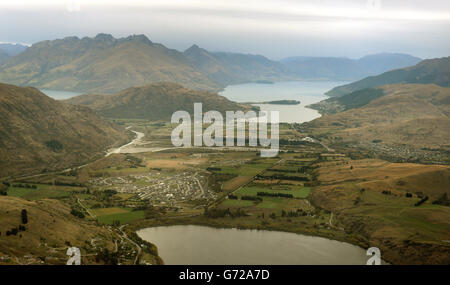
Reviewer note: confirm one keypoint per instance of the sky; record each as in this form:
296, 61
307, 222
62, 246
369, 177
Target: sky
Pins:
273, 28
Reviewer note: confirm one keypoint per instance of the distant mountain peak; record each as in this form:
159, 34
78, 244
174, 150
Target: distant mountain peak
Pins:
12, 49
194, 49
104, 37
139, 38
71, 38
390, 55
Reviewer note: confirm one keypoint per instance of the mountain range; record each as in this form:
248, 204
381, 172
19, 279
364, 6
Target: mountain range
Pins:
104, 64
3, 55
8, 50
38, 133
234, 68
346, 69
156, 101
100, 64
428, 71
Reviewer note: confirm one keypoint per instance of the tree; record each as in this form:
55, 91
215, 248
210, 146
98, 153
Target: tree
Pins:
24, 216
54, 145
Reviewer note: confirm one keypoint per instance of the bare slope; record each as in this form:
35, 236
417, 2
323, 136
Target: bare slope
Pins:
38, 133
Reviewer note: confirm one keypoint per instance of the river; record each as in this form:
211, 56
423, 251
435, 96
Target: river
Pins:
191, 245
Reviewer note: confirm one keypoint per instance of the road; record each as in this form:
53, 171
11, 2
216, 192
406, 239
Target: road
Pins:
137, 139
86, 209
139, 249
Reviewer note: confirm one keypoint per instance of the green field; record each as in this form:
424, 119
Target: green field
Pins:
42, 192
288, 174
249, 169
123, 215
237, 203
272, 203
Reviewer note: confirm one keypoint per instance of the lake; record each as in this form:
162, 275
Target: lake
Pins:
59, 95
304, 91
191, 245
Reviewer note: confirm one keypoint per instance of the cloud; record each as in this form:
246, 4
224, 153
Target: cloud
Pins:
357, 9
73, 6
275, 28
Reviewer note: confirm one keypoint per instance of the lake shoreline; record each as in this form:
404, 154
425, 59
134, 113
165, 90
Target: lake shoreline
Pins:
290, 98
230, 223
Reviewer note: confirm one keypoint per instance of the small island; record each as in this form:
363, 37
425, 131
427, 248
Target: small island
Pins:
262, 81
276, 102
283, 102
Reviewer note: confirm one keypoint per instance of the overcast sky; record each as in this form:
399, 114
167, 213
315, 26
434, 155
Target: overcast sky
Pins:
274, 28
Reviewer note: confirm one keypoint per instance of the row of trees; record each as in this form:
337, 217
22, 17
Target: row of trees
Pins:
220, 213
297, 213
251, 198
28, 186
284, 177
282, 195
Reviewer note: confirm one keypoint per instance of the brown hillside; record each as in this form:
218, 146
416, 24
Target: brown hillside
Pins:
368, 198
414, 115
50, 228
154, 102
37, 132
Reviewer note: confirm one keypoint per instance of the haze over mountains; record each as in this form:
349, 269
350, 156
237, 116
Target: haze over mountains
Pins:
8, 50
341, 68
39, 133
104, 64
3, 55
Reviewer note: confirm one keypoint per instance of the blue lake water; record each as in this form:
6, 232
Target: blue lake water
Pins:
304, 91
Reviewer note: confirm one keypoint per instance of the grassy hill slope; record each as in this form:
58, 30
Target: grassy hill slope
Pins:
46, 235
410, 121
38, 133
369, 197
